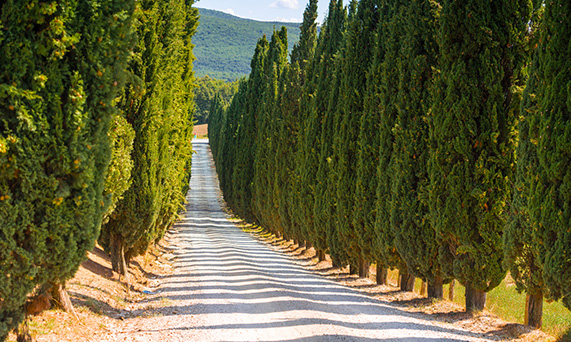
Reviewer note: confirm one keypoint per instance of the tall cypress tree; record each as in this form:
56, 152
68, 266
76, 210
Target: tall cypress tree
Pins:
61, 66
520, 249
317, 194
264, 161
414, 237
472, 138
160, 111
385, 91
243, 172
550, 132
290, 116
360, 41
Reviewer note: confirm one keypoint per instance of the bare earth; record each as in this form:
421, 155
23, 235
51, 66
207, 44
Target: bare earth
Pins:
228, 286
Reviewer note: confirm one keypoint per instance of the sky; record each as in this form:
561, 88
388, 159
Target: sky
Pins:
265, 10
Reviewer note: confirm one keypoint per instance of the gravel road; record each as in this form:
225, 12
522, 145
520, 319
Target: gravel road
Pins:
230, 287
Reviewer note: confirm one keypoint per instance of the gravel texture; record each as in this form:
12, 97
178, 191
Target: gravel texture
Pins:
229, 287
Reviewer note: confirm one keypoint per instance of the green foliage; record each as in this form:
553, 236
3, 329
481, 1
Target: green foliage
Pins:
472, 133
160, 111
206, 89
550, 137
317, 201
61, 66
224, 43
353, 68
414, 237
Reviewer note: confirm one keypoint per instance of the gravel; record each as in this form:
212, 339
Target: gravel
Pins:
229, 287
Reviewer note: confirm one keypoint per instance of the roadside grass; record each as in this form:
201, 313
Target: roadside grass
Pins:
508, 304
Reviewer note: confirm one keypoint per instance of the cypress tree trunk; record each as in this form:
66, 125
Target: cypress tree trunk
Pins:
406, 282
353, 269
363, 268
451, 290
118, 254
61, 298
423, 288
534, 309
435, 289
321, 255
475, 299
382, 274
307, 244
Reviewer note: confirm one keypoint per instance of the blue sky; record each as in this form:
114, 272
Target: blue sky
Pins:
264, 10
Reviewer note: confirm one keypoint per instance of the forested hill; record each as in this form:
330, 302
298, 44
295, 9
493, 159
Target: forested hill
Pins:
225, 43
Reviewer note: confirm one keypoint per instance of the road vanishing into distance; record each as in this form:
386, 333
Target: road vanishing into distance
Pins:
228, 286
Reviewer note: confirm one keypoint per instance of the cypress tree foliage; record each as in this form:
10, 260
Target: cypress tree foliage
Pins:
521, 254
364, 213
312, 207
264, 162
61, 66
292, 87
550, 132
161, 114
316, 206
472, 135
414, 238
217, 113
360, 41
385, 91
246, 136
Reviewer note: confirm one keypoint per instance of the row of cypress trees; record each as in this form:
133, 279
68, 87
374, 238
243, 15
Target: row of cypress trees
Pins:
391, 137
95, 126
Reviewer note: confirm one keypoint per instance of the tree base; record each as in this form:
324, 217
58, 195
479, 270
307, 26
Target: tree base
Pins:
363, 268
435, 289
534, 310
406, 282
382, 275
321, 255
60, 298
118, 262
451, 290
475, 299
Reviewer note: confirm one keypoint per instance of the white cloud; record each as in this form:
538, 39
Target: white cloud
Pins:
289, 4
230, 11
286, 20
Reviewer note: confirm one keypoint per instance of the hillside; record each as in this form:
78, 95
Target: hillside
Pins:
225, 43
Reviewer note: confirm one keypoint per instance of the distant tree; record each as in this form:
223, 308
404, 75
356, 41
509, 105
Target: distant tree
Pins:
246, 136
264, 198
61, 66
472, 138
204, 93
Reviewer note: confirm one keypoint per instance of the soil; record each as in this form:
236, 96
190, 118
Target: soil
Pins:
200, 130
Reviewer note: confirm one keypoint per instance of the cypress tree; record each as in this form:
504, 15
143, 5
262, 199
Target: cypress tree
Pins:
414, 237
521, 253
385, 92
317, 205
161, 113
264, 161
359, 40
472, 138
550, 135
289, 125
246, 136
61, 66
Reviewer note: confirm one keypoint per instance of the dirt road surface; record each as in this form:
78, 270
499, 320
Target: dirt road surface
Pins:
230, 287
